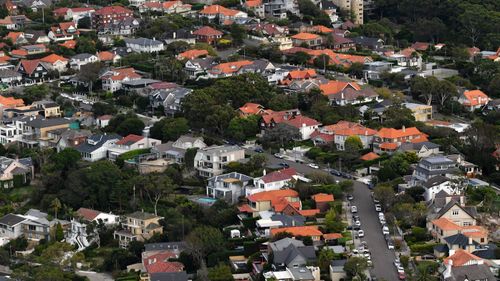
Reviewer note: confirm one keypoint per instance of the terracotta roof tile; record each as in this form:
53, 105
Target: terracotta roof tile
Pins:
207, 31
53, 58
391, 133
280, 175
305, 36
335, 87
192, 54
369, 156
445, 224
475, 97
251, 108
300, 121
88, 214
309, 213
130, 139
332, 236
10, 101
298, 231
323, 197
461, 258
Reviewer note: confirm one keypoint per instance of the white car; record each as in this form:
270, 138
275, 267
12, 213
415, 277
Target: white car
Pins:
279, 156
378, 208
354, 209
361, 233
390, 245
357, 223
314, 166
400, 269
385, 230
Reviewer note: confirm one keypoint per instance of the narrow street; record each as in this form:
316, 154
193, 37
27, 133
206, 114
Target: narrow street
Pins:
382, 257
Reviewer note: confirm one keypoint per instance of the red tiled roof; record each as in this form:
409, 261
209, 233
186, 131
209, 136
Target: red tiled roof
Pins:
309, 213
245, 208
88, 214
388, 145
252, 3
420, 46
332, 236
105, 117
70, 44
272, 195
53, 58
321, 29
230, 67
298, 231
207, 31
391, 133
300, 121
475, 97
335, 87
130, 139
119, 74
192, 54
323, 197
110, 10
445, 224
251, 108
302, 74
10, 101
19, 53
305, 36
281, 175
30, 65
106, 56
159, 263
325, 137
13, 36
369, 156
461, 258
218, 9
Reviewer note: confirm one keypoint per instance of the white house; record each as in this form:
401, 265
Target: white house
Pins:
144, 45
305, 125
77, 61
437, 184
130, 142
11, 226
273, 181
90, 215
113, 78
210, 161
228, 187
96, 147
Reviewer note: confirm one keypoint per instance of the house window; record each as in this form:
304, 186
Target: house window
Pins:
454, 212
467, 223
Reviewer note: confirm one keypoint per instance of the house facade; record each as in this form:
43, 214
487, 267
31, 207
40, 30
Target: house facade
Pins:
210, 161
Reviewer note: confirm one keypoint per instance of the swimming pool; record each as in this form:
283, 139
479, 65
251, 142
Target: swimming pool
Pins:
206, 200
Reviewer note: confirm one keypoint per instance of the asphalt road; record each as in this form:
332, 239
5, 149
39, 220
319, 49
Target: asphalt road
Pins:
382, 258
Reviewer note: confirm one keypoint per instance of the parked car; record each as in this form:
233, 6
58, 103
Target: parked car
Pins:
259, 150
390, 245
314, 166
385, 230
378, 208
354, 209
300, 161
357, 223
350, 197
375, 201
335, 172
284, 165
401, 276
279, 156
361, 233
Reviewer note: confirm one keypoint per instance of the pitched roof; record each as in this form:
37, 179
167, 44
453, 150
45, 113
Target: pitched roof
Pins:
321, 29
309, 213
230, 67
391, 133
110, 10
252, 3
460, 258
192, 54
30, 65
388, 145
332, 236
334, 87
88, 214
369, 156
13, 36
420, 46
305, 36
53, 58
11, 219
70, 44
273, 195
160, 263
445, 224
129, 140
475, 97
119, 74
298, 231
323, 197
280, 175
218, 9
10, 101
472, 272
302, 73
300, 121
207, 31
251, 108
106, 56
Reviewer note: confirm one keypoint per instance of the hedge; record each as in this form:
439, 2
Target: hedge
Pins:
427, 248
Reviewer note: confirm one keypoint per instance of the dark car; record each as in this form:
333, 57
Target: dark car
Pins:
350, 197
259, 150
284, 165
335, 173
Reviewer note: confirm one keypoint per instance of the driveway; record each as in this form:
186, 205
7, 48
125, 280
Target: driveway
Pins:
382, 258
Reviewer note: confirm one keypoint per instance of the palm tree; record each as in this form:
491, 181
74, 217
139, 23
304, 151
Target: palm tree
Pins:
56, 205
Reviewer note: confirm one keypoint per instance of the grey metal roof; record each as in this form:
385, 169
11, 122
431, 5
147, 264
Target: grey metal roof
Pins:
165, 246
367, 41
301, 273
142, 81
8, 73
289, 253
435, 181
142, 41
219, 149
99, 141
41, 122
289, 220
338, 263
11, 219
471, 210
437, 160
281, 244
142, 215
457, 239
169, 276
472, 273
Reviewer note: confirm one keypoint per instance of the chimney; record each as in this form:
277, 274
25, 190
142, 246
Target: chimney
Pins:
447, 272
264, 172
404, 128
470, 240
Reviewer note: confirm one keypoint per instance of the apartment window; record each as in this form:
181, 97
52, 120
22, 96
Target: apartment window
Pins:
226, 185
31, 227
208, 157
467, 223
454, 212
224, 158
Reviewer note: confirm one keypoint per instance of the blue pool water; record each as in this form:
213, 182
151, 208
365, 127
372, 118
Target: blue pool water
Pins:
206, 200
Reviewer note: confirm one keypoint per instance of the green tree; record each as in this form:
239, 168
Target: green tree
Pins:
85, 45
204, 240
385, 194
355, 267
332, 222
325, 257
56, 206
353, 143
242, 128
169, 129
220, 272
59, 232
156, 186
238, 33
